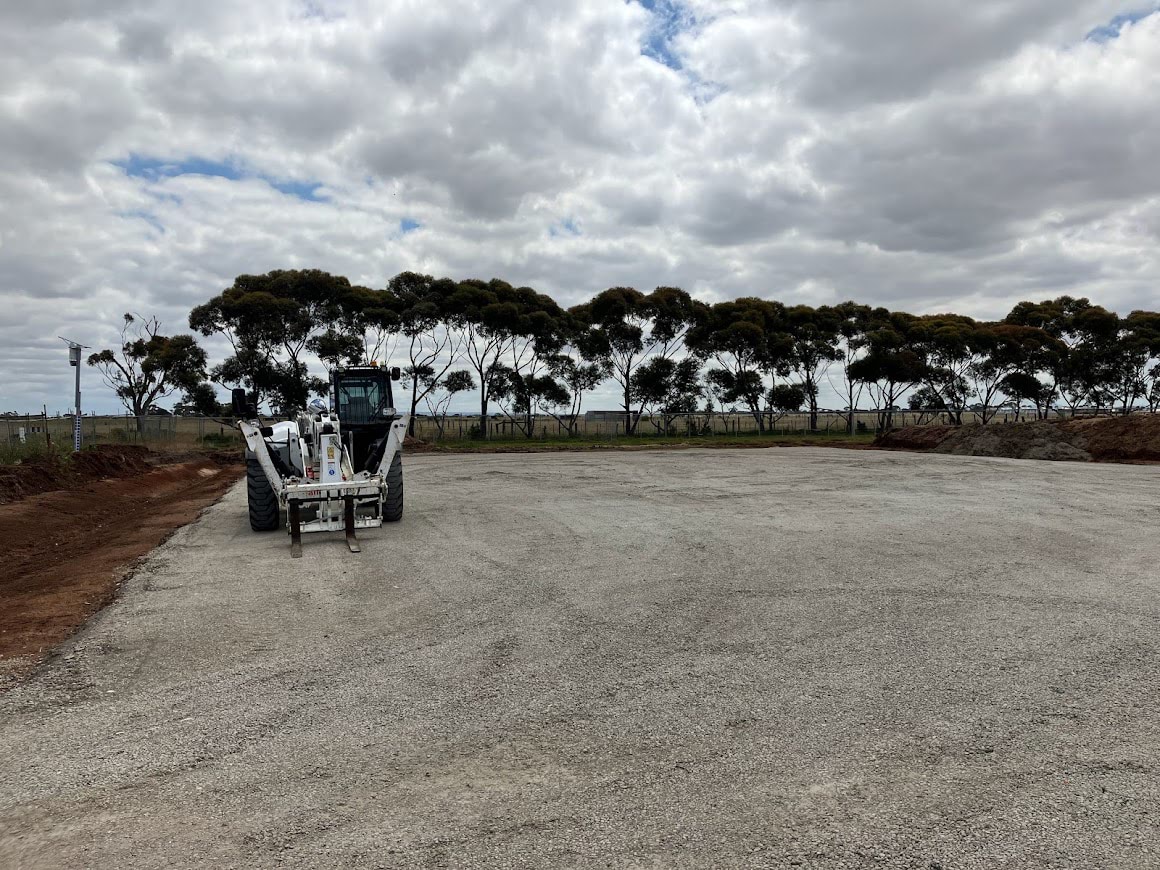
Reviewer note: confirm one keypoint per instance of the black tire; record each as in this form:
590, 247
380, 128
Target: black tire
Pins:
263, 502
393, 506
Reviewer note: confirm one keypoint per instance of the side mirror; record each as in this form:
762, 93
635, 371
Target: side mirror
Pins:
240, 402
395, 373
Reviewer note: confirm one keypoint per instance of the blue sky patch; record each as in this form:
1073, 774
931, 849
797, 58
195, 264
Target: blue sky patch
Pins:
670, 18
1111, 30
307, 190
668, 22
408, 225
566, 227
154, 169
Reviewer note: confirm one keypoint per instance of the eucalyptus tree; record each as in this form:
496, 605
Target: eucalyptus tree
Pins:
358, 325
1152, 396
573, 370
270, 321
1003, 350
441, 390
892, 365
373, 319
852, 324
335, 348
523, 397
949, 344
669, 388
505, 329
815, 338
1128, 360
785, 399
576, 378
148, 366
1083, 331
524, 383
430, 328
747, 339
487, 333
627, 327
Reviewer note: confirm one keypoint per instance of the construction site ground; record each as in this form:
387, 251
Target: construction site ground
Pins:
753, 658
66, 550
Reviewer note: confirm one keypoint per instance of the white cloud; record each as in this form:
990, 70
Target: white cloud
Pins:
916, 155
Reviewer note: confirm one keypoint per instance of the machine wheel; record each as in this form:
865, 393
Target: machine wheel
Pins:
263, 502
393, 506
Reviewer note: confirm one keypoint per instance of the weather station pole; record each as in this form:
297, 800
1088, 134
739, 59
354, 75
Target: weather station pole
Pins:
74, 359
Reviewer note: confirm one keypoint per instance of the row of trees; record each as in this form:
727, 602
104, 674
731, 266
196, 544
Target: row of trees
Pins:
667, 353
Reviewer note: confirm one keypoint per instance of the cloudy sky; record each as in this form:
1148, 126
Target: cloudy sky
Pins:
922, 155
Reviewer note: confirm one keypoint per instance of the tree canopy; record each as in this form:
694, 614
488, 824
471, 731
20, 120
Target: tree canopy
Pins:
668, 353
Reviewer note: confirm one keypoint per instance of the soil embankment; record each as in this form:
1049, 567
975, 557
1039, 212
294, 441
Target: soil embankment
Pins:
71, 530
47, 473
1135, 438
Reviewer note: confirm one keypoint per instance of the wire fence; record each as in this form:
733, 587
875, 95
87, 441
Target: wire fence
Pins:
151, 431
175, 432
612, 425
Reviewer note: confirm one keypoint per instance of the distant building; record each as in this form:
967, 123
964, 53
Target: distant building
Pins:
608, 416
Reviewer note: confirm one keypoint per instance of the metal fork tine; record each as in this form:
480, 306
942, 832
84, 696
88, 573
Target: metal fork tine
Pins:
295, 529
348, 521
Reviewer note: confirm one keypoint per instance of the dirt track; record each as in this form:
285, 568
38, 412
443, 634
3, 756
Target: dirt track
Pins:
810, 658
65, 551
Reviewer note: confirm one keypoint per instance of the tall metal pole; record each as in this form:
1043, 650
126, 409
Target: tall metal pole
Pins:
74, 359
77, 423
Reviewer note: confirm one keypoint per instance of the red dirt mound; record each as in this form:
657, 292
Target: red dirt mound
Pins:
913, 437
108, 461
1135, 438
1036, 439
48, 473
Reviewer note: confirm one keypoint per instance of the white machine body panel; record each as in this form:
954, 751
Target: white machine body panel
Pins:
330, 459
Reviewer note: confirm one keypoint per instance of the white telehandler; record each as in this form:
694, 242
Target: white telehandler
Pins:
336, 466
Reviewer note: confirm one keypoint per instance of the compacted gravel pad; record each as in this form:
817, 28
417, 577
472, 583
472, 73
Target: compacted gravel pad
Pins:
759, 658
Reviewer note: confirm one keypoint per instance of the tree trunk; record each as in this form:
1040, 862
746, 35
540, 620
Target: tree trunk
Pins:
483, 429
414, 405
885, 415
812, 393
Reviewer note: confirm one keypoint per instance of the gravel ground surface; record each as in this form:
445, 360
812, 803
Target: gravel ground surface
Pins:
762, 658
